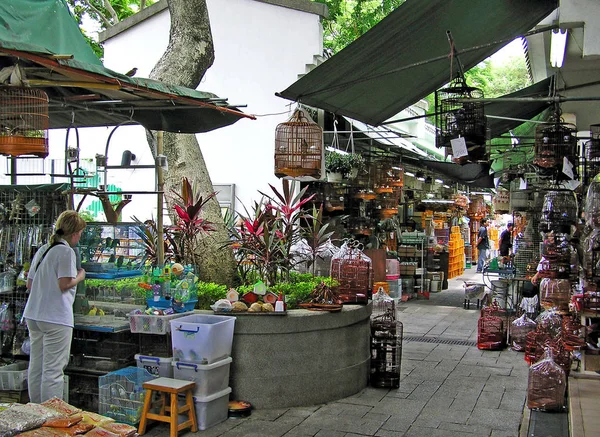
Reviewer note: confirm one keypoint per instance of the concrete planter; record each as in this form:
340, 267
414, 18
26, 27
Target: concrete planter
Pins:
303, 358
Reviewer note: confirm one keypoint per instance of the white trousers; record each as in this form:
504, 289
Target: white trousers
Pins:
50, 352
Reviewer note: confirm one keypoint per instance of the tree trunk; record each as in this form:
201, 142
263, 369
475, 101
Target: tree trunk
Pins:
189, 54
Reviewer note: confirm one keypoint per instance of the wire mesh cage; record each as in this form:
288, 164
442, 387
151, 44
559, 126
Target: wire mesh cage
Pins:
23, 121
553, 143
457, 118
592, 203
546, 385
298, 147
386, 347
591, 155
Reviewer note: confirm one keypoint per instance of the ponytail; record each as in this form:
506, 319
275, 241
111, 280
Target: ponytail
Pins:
67, 223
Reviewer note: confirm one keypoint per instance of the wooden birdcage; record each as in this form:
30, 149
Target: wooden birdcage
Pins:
546, 385
352, 269
490, 333
553, 143
24, 121
550, 321
573, 333
458, 118
555, 293
298, 147
386, 348
535, 343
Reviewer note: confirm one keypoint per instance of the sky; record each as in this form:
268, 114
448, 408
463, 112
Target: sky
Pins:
515, 48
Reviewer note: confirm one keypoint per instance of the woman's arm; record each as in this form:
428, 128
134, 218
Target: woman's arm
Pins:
66, 283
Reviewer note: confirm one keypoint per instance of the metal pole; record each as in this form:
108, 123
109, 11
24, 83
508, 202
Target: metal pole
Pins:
160, 181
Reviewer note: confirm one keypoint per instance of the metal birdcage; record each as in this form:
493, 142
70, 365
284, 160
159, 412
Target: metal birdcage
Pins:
591, 155
559, 211
298, 147
553, 143
458, 118
386, 347
24, 121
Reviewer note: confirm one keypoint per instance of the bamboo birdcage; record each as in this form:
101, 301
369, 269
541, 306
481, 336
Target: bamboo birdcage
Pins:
519, 329
555, 293
490, 333
353, 270
298, 147
553, 143
546, 385
458, 118
24, 121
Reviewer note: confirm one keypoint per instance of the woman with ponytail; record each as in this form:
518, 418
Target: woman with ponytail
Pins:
52, 282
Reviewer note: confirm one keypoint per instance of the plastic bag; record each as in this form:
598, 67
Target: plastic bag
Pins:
101, 432
20, 418
77, 429
518, 332
546, 385
61, 406
121, 429
95, 418
64, 421
44, 432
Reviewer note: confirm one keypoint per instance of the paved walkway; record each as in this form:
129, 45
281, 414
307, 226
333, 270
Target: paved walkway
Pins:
448, 387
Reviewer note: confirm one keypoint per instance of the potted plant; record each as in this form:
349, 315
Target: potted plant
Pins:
343, 165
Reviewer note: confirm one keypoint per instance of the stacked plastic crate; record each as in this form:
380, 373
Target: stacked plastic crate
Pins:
202, 353
456, 253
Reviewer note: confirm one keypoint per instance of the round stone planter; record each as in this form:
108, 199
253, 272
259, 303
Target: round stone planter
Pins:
303, 358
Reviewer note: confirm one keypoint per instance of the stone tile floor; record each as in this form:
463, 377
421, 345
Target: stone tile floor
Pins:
448, 387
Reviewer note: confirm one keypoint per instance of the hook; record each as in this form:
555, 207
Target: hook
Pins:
72, 117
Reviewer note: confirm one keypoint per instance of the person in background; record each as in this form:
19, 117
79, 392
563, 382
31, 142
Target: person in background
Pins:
52, 281
483, 244
505, 240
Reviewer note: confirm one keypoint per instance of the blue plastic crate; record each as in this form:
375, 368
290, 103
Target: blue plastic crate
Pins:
121, 395
182, 307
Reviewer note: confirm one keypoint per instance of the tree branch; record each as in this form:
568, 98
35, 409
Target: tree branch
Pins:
97, 11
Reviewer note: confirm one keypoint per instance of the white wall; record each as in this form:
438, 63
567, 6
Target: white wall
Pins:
259, 49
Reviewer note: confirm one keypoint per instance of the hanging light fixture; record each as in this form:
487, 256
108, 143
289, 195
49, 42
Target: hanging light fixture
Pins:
558, 44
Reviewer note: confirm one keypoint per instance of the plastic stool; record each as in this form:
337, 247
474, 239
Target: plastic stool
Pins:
173, 387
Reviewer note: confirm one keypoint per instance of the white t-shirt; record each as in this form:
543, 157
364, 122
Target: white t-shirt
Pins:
46, 302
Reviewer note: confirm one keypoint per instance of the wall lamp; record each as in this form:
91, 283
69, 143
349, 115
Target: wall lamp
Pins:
558, 45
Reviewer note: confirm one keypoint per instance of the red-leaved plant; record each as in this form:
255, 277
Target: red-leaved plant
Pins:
189, 224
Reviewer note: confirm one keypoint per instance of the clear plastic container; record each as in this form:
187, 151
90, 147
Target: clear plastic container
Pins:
209, 378
202, 338
157, 366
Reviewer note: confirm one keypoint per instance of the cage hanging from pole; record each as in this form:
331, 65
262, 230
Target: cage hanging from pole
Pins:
553, 143
591, 155
459, 118
24, 121
298, 147
386, 348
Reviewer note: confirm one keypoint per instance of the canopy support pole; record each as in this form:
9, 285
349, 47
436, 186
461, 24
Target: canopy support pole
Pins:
160, 182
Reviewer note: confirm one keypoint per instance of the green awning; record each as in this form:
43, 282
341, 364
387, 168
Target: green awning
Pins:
405, 57
43, 39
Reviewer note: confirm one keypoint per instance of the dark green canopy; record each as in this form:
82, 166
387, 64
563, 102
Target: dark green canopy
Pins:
405, 57
43, 39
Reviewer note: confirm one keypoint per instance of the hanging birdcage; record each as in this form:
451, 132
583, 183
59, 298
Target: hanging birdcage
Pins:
546, 385
24, 121
559, 211
298, 147
458, 118
352, 269
592, 203
591, 155
386, 347
553, 143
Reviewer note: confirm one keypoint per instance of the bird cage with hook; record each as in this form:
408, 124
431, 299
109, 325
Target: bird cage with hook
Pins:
353, 271
386, 346
553, 143
299, 147
591, 154
24, 121
456, 117
546, 385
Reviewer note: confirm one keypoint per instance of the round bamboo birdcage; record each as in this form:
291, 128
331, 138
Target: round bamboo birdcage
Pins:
298, 147
24, 121
555, 293
553, 143
490, 333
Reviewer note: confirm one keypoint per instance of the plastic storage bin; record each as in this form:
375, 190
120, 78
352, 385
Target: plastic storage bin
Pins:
121, 395
14, 376
202, 338
211, 410
151, 324
209, 378
157, 366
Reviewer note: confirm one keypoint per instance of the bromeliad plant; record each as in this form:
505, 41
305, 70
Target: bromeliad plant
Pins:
189, 225
316, 234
